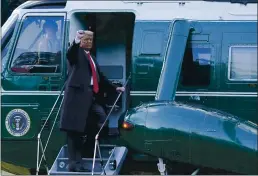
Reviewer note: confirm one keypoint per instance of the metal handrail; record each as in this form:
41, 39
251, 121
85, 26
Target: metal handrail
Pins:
97, 135
40, 145
39, 134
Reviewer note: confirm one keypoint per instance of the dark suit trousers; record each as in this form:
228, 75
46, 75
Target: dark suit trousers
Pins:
82, 144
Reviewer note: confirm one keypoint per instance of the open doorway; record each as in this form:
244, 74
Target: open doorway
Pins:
113, 38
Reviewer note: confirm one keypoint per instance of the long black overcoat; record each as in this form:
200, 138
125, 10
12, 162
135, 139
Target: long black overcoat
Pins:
78, 96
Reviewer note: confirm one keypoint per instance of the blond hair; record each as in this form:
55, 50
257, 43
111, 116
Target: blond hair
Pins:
87, 33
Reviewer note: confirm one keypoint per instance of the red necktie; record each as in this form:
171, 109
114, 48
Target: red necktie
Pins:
94, 75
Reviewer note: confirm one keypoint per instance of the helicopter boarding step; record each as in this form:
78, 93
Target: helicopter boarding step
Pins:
112, 157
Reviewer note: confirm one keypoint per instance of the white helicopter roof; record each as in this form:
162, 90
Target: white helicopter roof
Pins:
160, 10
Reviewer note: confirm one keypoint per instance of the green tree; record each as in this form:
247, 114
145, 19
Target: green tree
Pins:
5, 12
7, 6
15, 3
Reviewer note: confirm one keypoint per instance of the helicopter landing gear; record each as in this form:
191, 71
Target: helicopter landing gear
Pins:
162, 167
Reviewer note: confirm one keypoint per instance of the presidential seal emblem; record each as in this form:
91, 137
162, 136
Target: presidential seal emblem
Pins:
17, 122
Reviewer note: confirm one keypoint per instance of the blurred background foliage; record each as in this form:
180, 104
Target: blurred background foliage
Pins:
7, 6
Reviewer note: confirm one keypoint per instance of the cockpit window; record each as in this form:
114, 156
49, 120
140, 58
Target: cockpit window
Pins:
5, 43
38, 48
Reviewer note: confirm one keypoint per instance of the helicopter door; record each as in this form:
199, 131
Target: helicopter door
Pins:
112, 48
239, 75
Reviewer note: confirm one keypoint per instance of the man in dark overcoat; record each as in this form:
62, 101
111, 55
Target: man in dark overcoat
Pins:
81, 109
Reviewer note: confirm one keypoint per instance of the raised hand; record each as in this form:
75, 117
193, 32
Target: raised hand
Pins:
79, 35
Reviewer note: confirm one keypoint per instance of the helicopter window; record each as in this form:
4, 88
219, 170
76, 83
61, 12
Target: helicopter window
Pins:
4, 55
5, 43
243, 63
156, 39
196, 67
38, 48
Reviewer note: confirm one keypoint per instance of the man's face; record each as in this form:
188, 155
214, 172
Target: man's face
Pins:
86, 41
